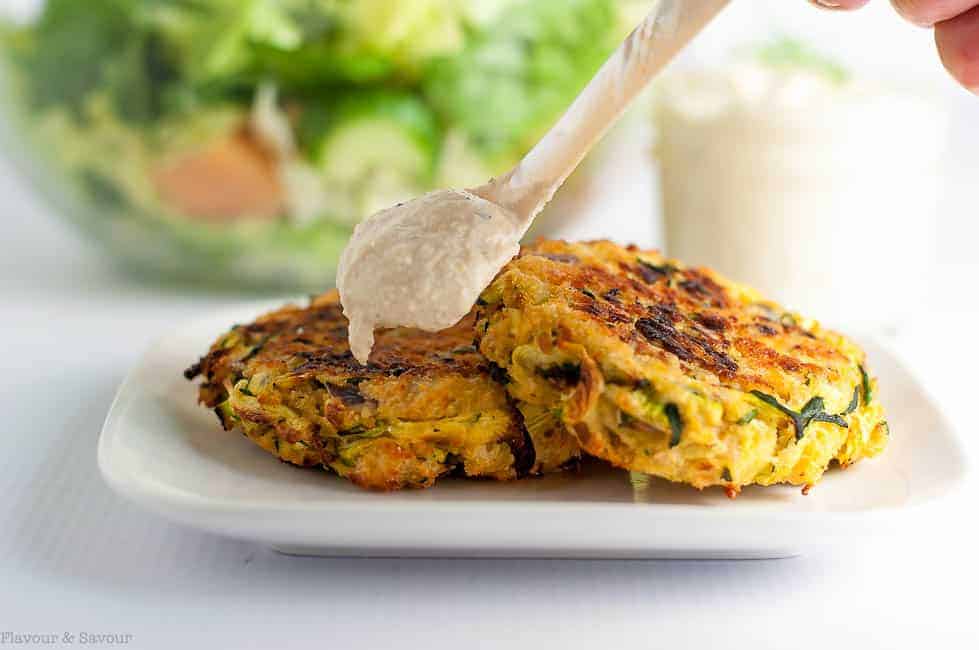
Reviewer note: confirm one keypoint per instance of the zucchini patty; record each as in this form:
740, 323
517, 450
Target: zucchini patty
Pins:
675, 371
425, 406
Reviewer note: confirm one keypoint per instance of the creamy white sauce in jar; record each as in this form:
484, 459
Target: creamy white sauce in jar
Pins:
820, 192
409, 252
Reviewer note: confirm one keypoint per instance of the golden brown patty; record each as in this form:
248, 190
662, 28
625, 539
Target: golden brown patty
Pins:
425, 406
675, 371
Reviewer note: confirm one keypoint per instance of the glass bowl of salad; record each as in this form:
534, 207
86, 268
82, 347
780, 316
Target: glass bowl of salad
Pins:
237, 142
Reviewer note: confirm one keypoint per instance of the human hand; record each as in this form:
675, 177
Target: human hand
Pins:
956, 24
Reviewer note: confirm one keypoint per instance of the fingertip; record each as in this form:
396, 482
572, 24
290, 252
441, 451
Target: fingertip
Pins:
839, 5
927, 13
958, 45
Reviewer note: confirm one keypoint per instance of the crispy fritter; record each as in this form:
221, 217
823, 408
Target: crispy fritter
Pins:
675, 371
426, 405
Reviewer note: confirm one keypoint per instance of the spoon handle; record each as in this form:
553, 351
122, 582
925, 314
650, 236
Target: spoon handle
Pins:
532, 183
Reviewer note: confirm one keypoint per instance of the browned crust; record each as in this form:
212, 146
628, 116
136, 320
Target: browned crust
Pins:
305, 353
304, 343
664, 309
300, 360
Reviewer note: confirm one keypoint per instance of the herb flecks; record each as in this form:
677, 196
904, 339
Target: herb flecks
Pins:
748, 417
243, 389
813, 411
868, 392
676, 423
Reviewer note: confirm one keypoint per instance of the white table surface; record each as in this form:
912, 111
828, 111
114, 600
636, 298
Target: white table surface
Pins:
76, 558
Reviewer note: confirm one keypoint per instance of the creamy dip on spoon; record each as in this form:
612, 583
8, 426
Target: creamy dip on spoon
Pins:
420, 264
424, 263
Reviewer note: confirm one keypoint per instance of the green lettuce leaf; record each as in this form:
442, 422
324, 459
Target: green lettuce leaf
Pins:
67, 51
521, 71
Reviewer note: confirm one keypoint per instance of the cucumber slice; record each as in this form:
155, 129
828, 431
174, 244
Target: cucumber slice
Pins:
358, 151
367, 132
375, 148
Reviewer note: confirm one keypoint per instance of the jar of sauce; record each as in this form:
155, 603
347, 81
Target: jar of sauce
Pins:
819, 189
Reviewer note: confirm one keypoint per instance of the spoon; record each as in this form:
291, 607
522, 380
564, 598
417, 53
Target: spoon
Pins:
424, 263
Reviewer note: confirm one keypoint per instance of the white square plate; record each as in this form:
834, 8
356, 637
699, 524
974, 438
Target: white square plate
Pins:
167, 454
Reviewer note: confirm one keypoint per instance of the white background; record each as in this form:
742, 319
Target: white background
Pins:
73, 557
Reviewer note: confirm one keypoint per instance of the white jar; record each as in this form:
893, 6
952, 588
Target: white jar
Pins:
822, 193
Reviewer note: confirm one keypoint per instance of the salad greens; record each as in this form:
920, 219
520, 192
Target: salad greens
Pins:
521, 71
381, 100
